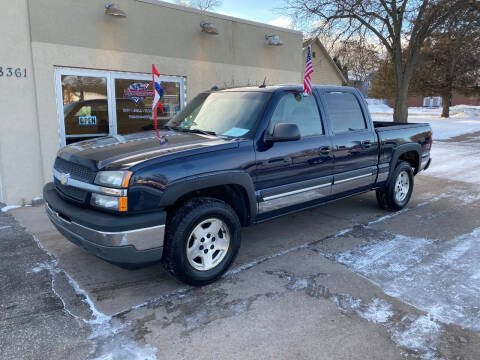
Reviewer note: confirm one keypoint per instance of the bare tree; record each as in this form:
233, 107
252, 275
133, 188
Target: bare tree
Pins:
401, 26
201, 4
450, 61
358, 58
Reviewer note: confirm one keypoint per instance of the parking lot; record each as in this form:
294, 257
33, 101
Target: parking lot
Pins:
346, 281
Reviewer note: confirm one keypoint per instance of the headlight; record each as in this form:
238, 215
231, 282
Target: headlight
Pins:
110, 202
118, 179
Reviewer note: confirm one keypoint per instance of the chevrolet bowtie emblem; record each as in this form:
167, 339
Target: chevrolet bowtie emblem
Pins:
64, 178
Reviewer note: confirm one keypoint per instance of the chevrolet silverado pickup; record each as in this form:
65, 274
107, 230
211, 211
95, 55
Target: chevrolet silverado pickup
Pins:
230, 158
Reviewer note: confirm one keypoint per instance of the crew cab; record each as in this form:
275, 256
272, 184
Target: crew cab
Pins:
231, 158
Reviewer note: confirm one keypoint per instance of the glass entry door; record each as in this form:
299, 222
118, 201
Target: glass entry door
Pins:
93, 103
83, 105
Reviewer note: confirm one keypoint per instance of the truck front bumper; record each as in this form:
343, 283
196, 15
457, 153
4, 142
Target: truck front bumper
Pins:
124, 240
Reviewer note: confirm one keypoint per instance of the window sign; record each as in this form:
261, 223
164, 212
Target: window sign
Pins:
94, 103
84, 120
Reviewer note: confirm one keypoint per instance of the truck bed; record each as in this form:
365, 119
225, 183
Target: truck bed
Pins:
389, 125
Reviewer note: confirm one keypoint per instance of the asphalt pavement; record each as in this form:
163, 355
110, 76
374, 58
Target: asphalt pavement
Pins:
343, 281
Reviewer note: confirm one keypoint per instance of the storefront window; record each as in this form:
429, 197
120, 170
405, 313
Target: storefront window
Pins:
134, 104
85, 108
98, 103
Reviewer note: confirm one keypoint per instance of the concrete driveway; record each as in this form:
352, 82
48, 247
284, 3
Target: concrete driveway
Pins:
343, 281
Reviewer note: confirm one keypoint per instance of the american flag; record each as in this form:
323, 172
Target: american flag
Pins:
307, 82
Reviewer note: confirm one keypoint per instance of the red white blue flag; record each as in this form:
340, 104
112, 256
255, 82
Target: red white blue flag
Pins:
307, 81
157, 95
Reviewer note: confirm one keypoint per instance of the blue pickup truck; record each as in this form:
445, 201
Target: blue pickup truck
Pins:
231, 158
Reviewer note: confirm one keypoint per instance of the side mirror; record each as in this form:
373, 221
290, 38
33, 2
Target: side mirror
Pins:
284, 132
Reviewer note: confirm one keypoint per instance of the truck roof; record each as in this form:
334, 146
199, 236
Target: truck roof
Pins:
273, 88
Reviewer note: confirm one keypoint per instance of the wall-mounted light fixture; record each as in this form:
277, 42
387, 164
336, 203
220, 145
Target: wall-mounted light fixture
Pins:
113, 10
208, 28
273, 40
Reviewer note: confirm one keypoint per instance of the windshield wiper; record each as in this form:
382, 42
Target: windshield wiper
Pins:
198, 131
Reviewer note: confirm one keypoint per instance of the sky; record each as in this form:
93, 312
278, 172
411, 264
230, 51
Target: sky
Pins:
264, 11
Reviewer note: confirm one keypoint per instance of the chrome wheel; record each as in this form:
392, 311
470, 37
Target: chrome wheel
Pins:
208, 244
402, 186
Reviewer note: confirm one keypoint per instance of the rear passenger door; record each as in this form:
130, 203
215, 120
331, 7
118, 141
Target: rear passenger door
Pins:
355, 145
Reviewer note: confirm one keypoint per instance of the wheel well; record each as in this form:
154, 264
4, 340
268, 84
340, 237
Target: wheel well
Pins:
234, 195
412, 158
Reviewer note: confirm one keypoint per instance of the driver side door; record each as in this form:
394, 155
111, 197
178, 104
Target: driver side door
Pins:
295, 172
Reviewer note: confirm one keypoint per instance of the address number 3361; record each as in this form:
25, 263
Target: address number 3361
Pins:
13, 72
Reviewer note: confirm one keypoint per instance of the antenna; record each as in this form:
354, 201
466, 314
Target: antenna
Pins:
263, 85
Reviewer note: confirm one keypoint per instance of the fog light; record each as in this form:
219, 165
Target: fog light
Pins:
110, 202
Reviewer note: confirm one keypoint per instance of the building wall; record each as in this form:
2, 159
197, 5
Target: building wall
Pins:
324, 72
458, 99
20, 154
72, 33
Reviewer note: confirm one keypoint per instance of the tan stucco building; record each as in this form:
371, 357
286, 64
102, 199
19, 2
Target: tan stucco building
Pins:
325, 71
69, 71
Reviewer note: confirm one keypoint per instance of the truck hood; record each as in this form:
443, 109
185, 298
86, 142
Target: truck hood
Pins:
125, 151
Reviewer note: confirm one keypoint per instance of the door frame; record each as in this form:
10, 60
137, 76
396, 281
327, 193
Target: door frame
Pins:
110, 75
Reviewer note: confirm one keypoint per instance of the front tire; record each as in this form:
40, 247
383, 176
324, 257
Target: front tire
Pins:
396, 194
202, 240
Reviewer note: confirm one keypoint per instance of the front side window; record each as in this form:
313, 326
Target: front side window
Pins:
300, 110
230, 114
345, 112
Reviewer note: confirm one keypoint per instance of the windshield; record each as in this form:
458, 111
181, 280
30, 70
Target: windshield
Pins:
231, 114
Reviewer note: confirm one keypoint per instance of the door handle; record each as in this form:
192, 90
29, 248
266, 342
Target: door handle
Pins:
366, 144
325, 150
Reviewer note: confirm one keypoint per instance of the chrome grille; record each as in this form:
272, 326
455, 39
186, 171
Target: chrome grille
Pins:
76, 171
71, 193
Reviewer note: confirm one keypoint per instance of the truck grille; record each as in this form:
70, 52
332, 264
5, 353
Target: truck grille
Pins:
77, 172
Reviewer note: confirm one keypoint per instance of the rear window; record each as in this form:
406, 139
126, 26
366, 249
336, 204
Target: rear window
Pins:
345, 112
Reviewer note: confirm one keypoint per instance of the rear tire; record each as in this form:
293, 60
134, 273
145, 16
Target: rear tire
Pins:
397, 192
202, 240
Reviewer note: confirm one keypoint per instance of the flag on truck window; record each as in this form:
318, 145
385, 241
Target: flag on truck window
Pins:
157, 95
307, 82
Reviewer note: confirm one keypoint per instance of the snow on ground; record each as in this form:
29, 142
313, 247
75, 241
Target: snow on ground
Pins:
458, 161
10, 207
379, 106
451, 160
111, 339
463, 119
408, 268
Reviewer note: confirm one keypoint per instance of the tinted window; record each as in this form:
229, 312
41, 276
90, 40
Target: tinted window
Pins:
298, 109
345, 112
